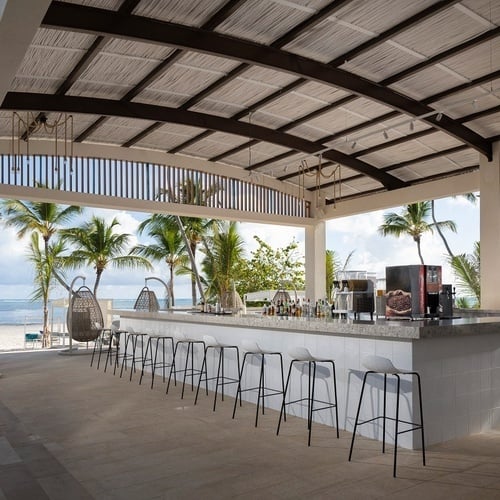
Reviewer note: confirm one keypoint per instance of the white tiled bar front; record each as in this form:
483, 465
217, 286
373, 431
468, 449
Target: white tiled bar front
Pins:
458, 360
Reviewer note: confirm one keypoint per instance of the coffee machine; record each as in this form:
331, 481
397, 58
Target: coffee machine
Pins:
412, 292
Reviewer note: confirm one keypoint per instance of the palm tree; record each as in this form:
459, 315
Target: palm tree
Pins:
98, 245
190, 192
472, 198
223, 253
195, 230
168, 246
467, 271
44, 262
334, 266
412, 221
44, 218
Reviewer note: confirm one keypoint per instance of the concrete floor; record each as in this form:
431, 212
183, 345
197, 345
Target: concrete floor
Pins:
68, 431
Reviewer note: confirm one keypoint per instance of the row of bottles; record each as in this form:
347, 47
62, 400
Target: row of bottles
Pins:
296, 308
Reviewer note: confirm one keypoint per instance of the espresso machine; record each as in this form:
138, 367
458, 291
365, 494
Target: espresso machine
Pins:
413, 292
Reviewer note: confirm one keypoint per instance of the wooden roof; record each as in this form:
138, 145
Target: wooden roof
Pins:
398, 93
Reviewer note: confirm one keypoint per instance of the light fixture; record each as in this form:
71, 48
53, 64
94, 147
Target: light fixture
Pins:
321, 173
439, 116
412, 126
353, 145
386, 135
59, 132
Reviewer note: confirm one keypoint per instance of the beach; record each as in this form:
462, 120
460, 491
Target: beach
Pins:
12, 337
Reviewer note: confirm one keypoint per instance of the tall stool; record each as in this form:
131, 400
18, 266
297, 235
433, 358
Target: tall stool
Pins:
130, 353
191, 371
301, 357
253, 349
164, 340
220, 379
384, 366
98, 346
115, 339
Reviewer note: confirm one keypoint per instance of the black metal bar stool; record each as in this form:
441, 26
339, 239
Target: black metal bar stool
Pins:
115, 340
253, 349
220, 378
135, 340
98, 346
302, 358
150, 360
384, 366
191, 371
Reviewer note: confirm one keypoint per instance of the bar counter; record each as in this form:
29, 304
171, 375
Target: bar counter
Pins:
458, 360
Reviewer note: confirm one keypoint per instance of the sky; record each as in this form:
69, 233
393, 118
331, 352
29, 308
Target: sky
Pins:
358, 234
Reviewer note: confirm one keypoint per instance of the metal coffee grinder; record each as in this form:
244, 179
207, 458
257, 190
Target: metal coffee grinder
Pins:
446, 298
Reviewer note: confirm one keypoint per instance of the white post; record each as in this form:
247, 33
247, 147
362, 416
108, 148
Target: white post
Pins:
315, 251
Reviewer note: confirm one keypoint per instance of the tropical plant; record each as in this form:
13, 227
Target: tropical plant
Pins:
472, 198
191, 192
334, 266
44, 262
195, 230
467, 270
271, 269
413, 222
44, 218
167, 246
223, 253
97, 244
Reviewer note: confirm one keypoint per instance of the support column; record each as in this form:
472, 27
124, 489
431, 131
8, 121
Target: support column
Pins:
490, 229
315, 249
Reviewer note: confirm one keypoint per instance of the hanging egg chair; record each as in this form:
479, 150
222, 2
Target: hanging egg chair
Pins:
84, 318
146, 301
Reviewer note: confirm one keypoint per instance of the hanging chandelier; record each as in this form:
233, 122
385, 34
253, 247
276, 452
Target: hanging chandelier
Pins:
58, 132
319, 173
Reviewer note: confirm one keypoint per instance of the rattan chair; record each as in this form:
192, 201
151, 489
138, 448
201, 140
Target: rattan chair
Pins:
84, 319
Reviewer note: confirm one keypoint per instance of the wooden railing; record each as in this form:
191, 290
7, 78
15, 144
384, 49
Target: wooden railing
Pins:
148, 182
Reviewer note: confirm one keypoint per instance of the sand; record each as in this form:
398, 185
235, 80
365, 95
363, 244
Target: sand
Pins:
12, 337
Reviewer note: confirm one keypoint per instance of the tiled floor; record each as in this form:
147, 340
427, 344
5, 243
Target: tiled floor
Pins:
68, 431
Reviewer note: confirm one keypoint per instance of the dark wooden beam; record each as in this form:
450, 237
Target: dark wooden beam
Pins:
102, 22
106, 107
368, 45
223, 13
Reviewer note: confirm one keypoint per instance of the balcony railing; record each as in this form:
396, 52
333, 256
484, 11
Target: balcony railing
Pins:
148, 182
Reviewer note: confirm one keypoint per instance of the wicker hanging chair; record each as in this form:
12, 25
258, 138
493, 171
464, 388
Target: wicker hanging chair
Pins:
84, 319
146, 301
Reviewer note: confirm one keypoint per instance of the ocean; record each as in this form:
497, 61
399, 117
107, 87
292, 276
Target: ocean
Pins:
27, 312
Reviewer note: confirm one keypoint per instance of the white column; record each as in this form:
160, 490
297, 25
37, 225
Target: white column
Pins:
315, 249
490, 229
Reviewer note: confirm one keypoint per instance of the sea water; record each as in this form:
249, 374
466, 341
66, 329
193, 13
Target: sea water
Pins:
28, 312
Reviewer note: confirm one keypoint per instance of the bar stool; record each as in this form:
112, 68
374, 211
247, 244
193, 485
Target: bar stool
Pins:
134, 340
98, 343
384, 366
253, 349
190, 343
301, 357
115, 337
153, 361
220, 379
